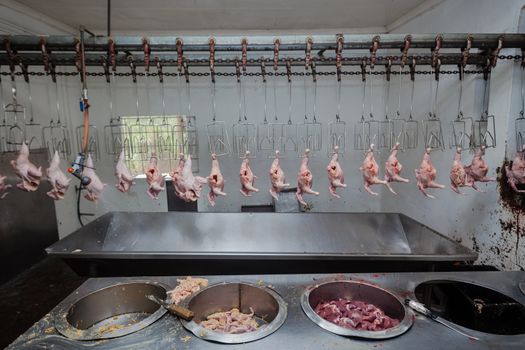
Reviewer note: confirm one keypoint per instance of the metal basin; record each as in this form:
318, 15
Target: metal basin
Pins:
392, 306
473, 306
269, 308
111, 312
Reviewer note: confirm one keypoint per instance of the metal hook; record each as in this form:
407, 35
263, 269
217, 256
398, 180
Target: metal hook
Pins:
404, 50
237, 70
11, 54
160, 73
314, 71
105, 67
78, 58
373, 50
211, 43
276, 46
363, 70
45, 55
244, 57
186, 70
112, 54
465, 51
289, 70
308, 52
496, 51
388, 67
436, 69
180, 52
131, 61
52, 71
339, 51
435, 50
25, 73
263, 70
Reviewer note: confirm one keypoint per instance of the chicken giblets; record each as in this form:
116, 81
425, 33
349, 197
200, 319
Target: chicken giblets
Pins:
478, 169
95, 188
516, 171
426, 174
26, 171
124, 176
305, 179
393, 169
247, 177
335, 174
189, 186
370, 171
458, 175
277, 177
154, 178
4, 187
57, 178
215, 181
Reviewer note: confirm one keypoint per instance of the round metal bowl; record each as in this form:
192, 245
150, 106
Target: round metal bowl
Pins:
111, 312
392, 306
269, 308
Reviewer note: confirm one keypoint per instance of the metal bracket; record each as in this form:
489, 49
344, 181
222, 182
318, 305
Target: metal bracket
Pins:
276, 45
404, 50
373, 50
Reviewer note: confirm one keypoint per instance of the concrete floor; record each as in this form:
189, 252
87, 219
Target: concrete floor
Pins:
30, 295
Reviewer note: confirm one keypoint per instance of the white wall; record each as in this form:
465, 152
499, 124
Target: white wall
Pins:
473, 219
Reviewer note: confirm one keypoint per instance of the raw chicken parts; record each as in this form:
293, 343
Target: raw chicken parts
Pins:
232, 322
247, 177
124, 176
426, 174
95, 187
277, 177
4, 187
215, 181
154, 178
393, 169
370, 171
458, 175
516, 171
305, 180
478, 169
57, 178
26, 171
185, 288
355, 314
187, 186
335, 174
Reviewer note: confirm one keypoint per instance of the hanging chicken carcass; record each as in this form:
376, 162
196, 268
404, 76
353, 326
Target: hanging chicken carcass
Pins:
124, 176
187, 186
305, 180
154, 178
277, 177
458, 175
335, 174
95, 187
516, 171
26, 170
57, 178
215, 181
246, 176
370, 171
478, 169
426, 174
393, 168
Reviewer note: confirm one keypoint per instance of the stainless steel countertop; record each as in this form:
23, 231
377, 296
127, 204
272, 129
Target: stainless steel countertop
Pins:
298, 332
179, 235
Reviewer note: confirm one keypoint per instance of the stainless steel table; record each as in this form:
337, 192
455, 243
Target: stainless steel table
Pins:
298, 332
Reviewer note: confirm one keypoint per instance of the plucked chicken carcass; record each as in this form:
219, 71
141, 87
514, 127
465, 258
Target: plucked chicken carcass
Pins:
176, 177
426, 174
124, 176
393, 169
26, 170
247, 177
57, 178
215, 181
154, 178
370, 171
305, 180
4, 187
185, 288
231, 322
458, 175
335, 174
516, 171
478, 169
95, 187
277, 177
189, 187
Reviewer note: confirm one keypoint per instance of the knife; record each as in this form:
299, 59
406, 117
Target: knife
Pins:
174, 309
420, 308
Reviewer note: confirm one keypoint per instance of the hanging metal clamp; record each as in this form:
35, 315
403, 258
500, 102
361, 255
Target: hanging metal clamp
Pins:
435, 50
160, 73
45, 54
147, 53
388, 71
78, 58
314, 71
487, 69
131, 61
308, 52
53, 72
276, 46
105, 66
412, 66
363, 70
436, 69
186, 70
289, 70
263, 69
112, 54
339, 51
495, 52
465, 51
404, 50
180, 52
11, 54
373, 50
244, 57
237, 70
25, 73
